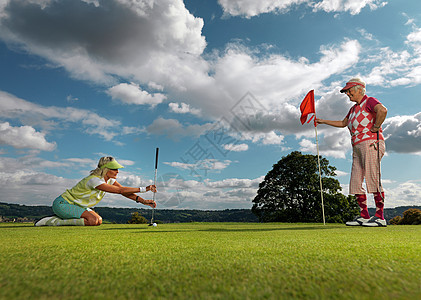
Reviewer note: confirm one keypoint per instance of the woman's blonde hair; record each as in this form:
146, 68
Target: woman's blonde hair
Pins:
101, 172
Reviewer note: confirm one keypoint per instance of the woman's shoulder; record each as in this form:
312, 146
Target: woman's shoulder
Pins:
94, 180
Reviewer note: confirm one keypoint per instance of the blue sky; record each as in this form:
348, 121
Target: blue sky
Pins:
216, 85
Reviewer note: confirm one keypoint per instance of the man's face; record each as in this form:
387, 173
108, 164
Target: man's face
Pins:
353, 94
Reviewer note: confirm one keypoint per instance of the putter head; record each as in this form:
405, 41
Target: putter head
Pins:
151, 224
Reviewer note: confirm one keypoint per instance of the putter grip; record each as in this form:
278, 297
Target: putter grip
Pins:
156, 158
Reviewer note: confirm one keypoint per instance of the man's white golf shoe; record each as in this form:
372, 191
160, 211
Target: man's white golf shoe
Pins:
375, 222
358, 221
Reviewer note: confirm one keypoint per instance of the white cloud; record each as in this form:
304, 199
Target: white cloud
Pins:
175, 130
205, 164
133, 94
71, 98
403, 134
118, 37
51, 117
155, 86
354, 7
175, 192
332, 142
341, 173
24, 137
397, 68
403, 194
236, 147
183, 108
159, 44
235, 182
415, 37
250, 8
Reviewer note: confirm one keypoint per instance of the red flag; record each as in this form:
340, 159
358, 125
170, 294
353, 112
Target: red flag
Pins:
307, 107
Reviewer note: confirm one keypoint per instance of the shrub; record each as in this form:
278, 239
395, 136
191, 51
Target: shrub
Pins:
396, 220
411, 216
137, 218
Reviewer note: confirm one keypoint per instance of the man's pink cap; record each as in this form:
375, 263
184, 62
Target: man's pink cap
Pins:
351, 84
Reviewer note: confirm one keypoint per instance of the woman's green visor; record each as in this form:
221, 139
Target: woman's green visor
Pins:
112, 165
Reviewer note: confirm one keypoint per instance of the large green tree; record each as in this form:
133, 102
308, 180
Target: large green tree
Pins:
290, 192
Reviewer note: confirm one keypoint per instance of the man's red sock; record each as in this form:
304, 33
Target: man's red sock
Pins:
362, 202
379, 199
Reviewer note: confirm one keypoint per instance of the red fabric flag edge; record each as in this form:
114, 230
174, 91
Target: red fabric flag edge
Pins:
307, 107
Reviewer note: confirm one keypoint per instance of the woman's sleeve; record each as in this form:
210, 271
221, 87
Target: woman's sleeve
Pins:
94, 182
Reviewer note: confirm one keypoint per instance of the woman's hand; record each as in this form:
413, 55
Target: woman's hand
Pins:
150, 203
151, 188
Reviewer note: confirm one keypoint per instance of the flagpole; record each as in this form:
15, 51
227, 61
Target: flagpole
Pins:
320, 176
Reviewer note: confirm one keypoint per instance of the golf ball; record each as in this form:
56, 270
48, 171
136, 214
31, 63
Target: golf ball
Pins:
154, 225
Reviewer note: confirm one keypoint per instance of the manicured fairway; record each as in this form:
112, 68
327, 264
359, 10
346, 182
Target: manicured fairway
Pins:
210, 261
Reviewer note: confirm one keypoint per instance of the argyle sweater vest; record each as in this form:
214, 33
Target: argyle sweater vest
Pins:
360, 122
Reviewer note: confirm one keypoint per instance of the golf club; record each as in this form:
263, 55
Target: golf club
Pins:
378, 160
154, 182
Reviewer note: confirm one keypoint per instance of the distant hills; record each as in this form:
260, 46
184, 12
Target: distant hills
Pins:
25, 213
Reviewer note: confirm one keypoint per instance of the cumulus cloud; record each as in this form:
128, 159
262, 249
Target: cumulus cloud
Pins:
235, 182
403, 194
24, 137
250, 8
333, 144
236, 147
208, 194
160, 45
175, 130
403, 134
354, 7
50, 117
133, 94
275, 79
117, 36
205, 164
183, 108
397, 68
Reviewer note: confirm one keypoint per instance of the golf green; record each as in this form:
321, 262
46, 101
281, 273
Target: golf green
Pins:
210, 261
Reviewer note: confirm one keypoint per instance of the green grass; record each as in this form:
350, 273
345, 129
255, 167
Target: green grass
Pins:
210, 261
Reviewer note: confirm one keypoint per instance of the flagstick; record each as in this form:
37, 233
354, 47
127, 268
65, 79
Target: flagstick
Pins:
320, 176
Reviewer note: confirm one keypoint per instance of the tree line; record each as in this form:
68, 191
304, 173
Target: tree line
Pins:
123, 215
9, 212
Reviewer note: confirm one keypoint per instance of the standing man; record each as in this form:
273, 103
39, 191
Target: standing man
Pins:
364, 122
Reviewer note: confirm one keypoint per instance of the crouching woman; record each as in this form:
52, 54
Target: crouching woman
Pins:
73, 207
